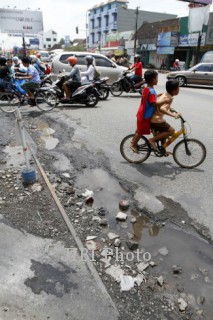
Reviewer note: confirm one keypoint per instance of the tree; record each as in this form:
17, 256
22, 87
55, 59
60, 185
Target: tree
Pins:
61, 42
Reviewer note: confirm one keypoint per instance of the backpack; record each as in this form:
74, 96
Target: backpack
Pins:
97, 74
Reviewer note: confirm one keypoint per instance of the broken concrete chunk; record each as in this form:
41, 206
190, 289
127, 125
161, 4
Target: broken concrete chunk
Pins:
91, 238
112, 236
117, 242
139, 279
160, 280
163, 251
142, 266
127, 283
115, 272
132, 245
121, 216
103, 222
176, 269
182, 304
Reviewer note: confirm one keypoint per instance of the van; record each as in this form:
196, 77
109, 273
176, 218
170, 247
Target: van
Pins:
207, 57
45, 57
105, 66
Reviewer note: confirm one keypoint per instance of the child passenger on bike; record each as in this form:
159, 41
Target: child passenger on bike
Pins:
147, 108
158, 123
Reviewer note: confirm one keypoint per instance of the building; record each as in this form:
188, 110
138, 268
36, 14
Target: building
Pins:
114, 16
47, 39
170, 39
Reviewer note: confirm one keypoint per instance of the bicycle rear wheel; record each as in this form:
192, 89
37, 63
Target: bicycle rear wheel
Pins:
144, 149
116, 89
46, 100
9, 101
189, 153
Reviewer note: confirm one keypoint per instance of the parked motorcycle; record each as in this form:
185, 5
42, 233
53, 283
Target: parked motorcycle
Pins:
85, 94
102, 88
123, 85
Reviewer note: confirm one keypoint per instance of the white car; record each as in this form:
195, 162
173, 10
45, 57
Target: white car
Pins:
105, 66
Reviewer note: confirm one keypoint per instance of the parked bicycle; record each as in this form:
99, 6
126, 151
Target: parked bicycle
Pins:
187, 153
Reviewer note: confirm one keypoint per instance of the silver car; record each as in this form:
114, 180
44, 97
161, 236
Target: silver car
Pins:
200, 74
105, 66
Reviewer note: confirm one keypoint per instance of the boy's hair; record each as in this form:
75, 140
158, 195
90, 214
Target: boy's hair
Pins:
149, 75
171, 85
25, 60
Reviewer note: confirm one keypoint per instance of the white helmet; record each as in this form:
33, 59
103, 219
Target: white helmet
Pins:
177, 60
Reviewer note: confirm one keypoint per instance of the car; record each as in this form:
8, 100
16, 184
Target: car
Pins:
45, 56
105, 66
200, 74
207, 57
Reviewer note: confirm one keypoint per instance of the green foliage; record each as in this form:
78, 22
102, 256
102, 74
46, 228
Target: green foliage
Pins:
75, 48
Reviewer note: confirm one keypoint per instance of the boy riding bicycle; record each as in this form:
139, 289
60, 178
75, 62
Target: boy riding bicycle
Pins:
158, 124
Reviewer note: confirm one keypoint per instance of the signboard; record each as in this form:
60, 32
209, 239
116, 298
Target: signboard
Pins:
191, 40
167, 39
165, 50
34, 42
198, 1
14, 21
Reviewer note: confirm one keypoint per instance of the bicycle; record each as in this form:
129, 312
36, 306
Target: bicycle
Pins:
187, 153
11, 99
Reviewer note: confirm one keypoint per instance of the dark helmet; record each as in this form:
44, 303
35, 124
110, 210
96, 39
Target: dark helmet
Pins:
3, 61
89, 59
138, 57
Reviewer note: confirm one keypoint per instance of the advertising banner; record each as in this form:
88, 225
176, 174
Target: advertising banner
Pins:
15, 21
191, 40
198, 1
167, 39
165, 50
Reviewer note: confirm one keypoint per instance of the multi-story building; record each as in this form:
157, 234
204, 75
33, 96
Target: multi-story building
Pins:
114, 16
47, 39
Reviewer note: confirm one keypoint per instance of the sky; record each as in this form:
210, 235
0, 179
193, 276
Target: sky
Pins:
64, 15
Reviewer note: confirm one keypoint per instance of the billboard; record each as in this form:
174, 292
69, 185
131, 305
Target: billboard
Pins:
20, 21
198, 1
168, 39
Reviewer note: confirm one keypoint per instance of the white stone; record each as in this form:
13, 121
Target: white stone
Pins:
66, 175
139, 279
142, 266
91, 238
182, 304
112, 236
163, 251
160, 280
121, 216
115, 272
127, 283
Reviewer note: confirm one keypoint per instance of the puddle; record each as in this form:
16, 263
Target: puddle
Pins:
47, 139
188, 251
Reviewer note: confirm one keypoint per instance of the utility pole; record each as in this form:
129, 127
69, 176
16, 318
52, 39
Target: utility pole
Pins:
136, 29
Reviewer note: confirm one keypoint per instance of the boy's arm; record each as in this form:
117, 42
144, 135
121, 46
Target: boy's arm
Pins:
167, 110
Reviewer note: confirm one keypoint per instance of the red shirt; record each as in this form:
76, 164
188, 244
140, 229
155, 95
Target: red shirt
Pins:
146, 111
138, 70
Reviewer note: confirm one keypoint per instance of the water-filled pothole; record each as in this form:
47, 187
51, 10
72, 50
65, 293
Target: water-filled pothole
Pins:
191, 253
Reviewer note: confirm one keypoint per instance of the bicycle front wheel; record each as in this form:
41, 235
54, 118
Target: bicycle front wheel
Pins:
46, 100
189, 153
144, 149
9, 102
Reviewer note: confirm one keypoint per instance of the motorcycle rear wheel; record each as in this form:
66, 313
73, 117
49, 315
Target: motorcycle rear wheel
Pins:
92, 99
116, 89
46, 101
103, 93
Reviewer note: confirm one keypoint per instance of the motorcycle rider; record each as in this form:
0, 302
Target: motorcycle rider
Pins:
88, 75
176, 64
137, 68
35, 63
73, 80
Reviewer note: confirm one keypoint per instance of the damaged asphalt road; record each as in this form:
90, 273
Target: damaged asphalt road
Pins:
175, 283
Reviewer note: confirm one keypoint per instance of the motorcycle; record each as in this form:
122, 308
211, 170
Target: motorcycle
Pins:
102, 88
85, 94
123, 85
